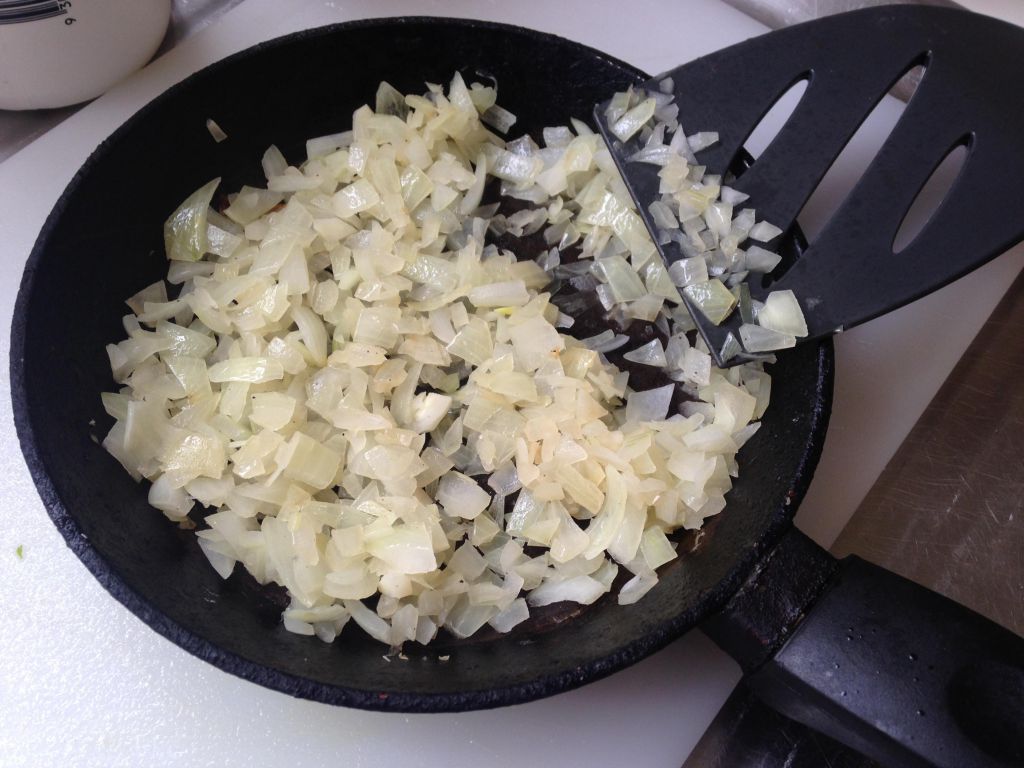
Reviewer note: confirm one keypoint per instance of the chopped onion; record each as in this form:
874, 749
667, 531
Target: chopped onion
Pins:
712, 298
215, 130
760, 260
650, 405
185, 230
758, 339
651, 353
781, 312
359, 382
763, 232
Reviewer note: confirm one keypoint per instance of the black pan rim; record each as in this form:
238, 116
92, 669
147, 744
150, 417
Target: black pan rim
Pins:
303, 687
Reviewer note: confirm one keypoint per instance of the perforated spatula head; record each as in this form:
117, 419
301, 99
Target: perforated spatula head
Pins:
970, 96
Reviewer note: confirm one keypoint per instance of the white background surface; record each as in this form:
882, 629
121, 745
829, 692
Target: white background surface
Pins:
85, 683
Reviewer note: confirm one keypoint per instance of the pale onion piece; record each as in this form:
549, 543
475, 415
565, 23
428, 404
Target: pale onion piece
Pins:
473, 343
254, 370
649, 405
428, 412
472, 197
577, 589
116, 405
512, 293
712, 298
645, 308
319, 613
499, 118
295, 625
760, 260
251, 203
372, 624
606, 341
405, 548
324, 145
172, 501
519, 169
505, 480
272, 410
185, 342
416, 186
404, 622
626, 541
695, 367
354, 583
634, 119
621, 278
535, 342
215, 130
390, 101
718, 217
606, 522
304, 459
358, 419
232, 404
662, 215
354, 198
651, 353
154, 293
179, 272
293, 182
515, 386
185, 230
758, 339
710, 439
524, 512
781, 312
675, 349
221, 242
358, 355
570, 540
635, 588
557, 136
253, 458
189, 456
313, 333
516, 613
702, 140
222, 564
763, 232
733, 196
465, 618
377, 326
743, 435
212, 492
743, 222
468, 562
656, 548
460, 496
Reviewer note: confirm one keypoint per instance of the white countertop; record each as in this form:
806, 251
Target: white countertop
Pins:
85, 683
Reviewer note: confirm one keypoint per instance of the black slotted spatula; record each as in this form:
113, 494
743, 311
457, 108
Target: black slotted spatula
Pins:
972, 94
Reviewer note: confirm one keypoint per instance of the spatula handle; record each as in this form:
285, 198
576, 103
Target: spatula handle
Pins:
884, 665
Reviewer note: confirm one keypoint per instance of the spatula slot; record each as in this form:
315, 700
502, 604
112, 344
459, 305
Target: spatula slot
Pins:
775, 119
853, 160
929, 201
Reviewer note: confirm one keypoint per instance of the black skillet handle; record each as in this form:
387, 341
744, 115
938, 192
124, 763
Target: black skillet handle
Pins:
884, 665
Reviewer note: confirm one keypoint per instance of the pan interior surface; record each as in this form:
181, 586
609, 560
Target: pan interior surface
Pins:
103, 242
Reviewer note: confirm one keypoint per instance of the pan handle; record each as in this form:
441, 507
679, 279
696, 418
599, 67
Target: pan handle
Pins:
884, 665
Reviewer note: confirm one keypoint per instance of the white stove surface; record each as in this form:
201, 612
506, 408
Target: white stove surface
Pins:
85, 683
